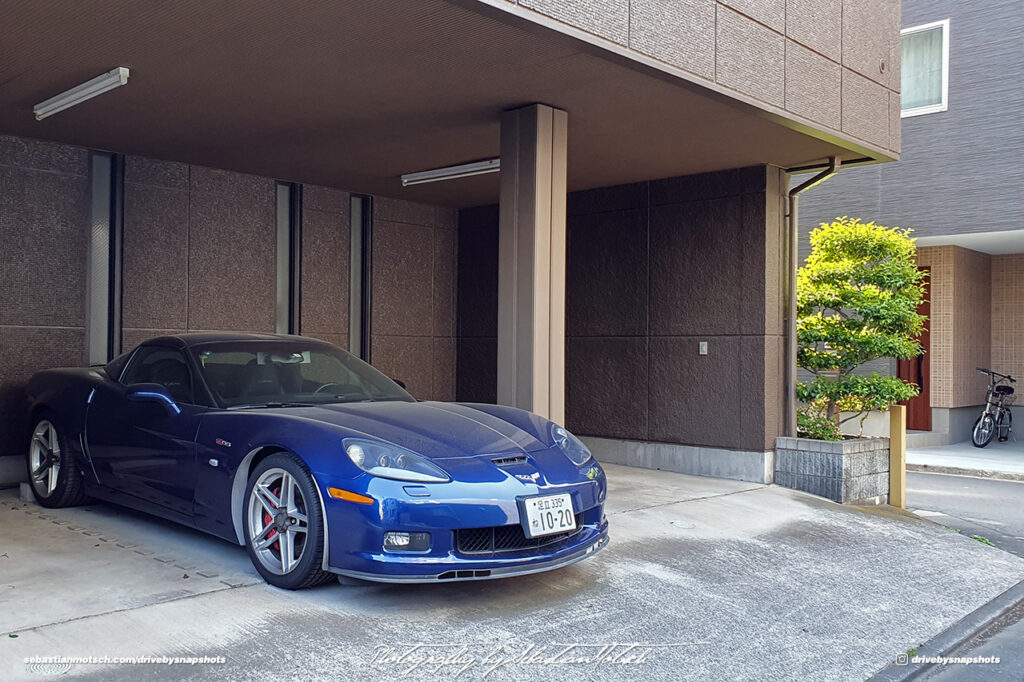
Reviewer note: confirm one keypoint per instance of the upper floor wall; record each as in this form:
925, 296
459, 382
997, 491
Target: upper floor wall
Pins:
959, 171
833, 64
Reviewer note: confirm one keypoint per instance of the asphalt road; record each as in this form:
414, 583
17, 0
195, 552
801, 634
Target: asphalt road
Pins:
987, 508
991, 509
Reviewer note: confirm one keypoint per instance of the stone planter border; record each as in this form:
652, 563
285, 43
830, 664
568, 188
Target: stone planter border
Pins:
853, 471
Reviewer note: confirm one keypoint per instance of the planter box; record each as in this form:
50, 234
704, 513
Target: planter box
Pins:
852, 471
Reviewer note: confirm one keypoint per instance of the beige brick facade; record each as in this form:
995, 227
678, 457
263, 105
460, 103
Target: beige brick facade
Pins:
977, 320
1008, 314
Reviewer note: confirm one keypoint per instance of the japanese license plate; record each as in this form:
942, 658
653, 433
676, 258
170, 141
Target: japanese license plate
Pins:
548, 514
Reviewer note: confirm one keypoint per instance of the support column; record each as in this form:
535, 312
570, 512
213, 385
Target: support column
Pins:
531, 261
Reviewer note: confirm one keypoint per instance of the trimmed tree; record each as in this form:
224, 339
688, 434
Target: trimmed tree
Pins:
857, 300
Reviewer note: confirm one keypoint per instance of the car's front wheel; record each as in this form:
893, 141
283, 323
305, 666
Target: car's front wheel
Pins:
56, 481
284, 532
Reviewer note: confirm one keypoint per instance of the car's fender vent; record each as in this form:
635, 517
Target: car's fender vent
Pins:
498, 539
509, 461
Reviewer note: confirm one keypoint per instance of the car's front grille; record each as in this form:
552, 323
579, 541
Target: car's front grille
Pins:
497, 539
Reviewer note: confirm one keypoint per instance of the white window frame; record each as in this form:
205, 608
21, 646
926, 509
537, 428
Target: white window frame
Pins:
944, 104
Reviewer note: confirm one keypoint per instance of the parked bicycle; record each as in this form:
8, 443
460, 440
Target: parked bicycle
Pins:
996, 417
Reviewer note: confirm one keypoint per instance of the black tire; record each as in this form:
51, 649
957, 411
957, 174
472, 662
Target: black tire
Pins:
980, 435
308, 569
68, 489
1004, 425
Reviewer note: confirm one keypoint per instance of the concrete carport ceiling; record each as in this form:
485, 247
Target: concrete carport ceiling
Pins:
353, 94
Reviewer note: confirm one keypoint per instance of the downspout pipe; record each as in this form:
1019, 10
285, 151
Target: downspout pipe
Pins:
794, 244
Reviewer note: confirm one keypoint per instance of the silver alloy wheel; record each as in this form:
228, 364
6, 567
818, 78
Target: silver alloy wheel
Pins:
278, 525
44, 458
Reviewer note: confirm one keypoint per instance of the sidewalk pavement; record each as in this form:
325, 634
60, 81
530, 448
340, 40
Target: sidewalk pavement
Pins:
720, 579
996, 460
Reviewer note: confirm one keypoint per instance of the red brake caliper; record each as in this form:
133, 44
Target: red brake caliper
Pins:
267, 519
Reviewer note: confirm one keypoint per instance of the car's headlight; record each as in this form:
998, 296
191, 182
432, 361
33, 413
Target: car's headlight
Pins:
572, 446
388, 461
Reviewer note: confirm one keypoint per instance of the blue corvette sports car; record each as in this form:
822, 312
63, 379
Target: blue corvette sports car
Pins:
316, 462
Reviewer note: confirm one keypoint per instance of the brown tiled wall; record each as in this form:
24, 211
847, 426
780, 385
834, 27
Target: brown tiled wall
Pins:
656, 268
199, 250
200, 254
44, 191
325, 264
219, 228
972, 324
960, 324
413, 322
832, 62
653, 269
477, 371
1008, 314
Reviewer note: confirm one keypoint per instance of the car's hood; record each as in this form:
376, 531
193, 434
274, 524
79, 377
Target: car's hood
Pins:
435, 430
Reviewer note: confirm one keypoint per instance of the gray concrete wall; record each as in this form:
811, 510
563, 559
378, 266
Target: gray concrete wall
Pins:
831, 63
654, 269
949, 426
738, 465
960, 169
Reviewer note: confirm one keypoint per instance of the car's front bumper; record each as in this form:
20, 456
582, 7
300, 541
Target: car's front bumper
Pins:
463, 569
356, 531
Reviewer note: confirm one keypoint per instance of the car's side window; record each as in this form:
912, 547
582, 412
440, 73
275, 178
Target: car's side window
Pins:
115, 367
164, 366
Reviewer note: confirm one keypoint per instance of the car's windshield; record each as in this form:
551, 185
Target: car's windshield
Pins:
281, 373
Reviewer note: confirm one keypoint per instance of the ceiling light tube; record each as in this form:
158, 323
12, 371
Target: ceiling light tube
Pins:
464, 170
80, 93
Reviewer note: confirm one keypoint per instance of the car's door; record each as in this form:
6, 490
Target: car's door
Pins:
145, 450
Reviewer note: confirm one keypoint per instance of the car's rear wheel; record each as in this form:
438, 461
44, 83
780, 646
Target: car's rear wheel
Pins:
284, 532
52, 472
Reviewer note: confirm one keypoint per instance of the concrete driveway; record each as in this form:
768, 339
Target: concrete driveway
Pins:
716, 579
996, 460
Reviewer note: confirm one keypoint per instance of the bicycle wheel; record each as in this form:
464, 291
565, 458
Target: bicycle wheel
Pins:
1003, 425
984, 429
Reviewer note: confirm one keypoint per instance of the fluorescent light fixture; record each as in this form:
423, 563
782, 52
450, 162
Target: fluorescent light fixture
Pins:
80, 93
464, 170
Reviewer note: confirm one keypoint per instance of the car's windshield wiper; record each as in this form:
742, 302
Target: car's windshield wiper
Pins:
270, 404
368, 399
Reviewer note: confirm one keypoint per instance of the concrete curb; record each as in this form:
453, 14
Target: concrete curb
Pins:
947, 641
962, 471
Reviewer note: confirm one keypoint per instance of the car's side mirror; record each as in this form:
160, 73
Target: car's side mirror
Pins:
152, 393
400, 383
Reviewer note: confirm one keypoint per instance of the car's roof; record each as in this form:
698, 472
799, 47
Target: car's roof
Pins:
201, 338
